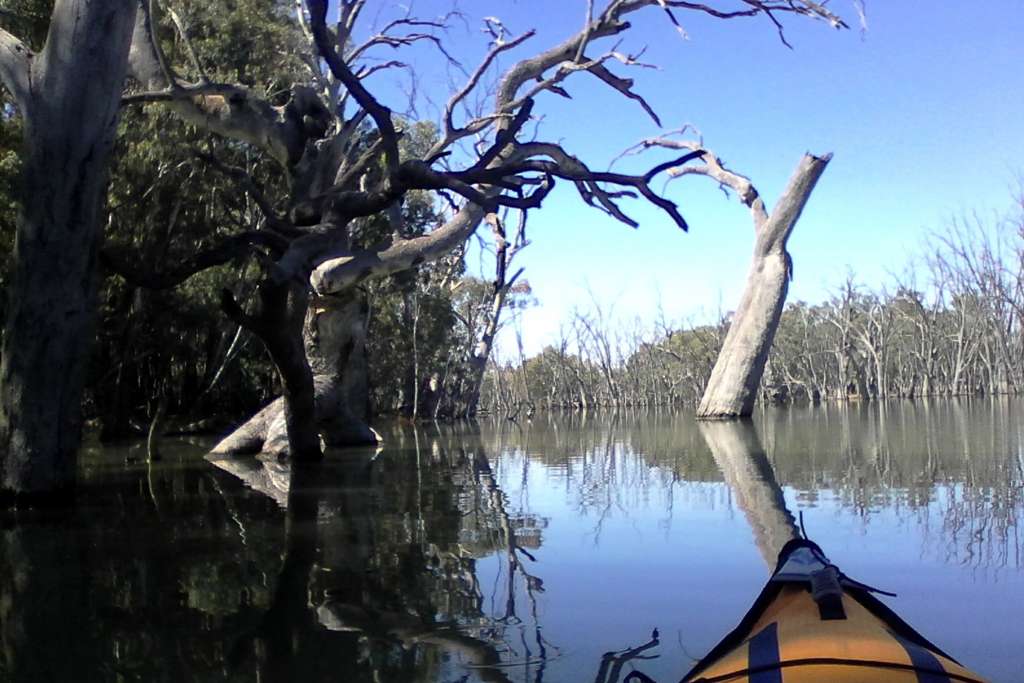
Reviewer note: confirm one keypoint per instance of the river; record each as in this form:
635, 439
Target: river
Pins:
547, 551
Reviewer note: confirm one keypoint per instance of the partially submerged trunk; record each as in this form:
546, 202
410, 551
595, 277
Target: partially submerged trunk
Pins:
69, 96
732, 389
334, 336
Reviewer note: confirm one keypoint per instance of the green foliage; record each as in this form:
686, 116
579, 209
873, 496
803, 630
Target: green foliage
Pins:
10, 170
412, 340
252, 42
28, 20
165, 205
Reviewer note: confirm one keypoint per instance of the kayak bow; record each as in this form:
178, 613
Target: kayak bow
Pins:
812, 623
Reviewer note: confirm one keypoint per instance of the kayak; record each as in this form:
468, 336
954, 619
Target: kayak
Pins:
812, 623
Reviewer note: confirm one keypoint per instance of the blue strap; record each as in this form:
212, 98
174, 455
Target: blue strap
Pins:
763, 657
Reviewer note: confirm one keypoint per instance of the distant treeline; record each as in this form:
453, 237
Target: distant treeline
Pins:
949, 325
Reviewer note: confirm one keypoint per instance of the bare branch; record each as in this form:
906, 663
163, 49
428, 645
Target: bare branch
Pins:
380, 114
474, 79
563, 165
119, 261
383, 66
535, 67
711, 167
624, 86
396, 41
348, 270
348, 14
587, 26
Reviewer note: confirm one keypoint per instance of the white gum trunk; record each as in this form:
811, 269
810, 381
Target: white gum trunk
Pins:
732, 389
69, 96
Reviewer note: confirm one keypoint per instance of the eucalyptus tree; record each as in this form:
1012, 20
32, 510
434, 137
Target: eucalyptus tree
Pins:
733, 386
339, 146
67, 94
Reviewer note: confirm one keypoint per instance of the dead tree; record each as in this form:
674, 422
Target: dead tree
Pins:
732, 388
505, 250
68, 97
339, 146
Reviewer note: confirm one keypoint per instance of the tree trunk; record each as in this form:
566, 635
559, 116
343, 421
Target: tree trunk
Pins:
336, 348
732, 389
69, 96
482, 351
334, 337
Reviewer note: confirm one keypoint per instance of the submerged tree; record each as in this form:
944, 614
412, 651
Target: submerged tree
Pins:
950, 326
348, 175
733, 387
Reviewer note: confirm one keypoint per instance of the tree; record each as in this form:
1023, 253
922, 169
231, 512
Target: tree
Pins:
340, 148
732, 389
68, 96
505, 250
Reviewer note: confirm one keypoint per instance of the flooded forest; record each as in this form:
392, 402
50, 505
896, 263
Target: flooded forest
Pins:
270, 407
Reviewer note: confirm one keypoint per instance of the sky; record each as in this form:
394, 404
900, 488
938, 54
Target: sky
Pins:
922, 112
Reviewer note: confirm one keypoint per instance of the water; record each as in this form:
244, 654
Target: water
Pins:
515, 552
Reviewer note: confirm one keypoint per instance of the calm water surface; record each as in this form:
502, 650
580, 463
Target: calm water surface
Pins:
540, 552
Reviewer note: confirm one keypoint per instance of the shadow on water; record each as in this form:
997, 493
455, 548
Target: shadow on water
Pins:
499, 553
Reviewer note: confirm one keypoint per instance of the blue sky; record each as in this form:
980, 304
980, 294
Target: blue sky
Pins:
922, 112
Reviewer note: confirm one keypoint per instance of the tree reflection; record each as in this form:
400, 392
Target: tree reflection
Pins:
380, 557
123, 588
738, 453
362, 569
369, 567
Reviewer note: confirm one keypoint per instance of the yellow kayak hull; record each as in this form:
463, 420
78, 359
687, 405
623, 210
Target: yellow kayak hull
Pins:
789, 636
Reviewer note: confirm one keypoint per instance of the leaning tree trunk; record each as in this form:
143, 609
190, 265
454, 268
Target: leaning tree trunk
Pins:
69, 98
732, 389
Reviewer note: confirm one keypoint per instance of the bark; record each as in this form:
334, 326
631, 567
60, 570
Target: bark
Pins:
334, 340
69, 96
482, 351
732, 389
741, 458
